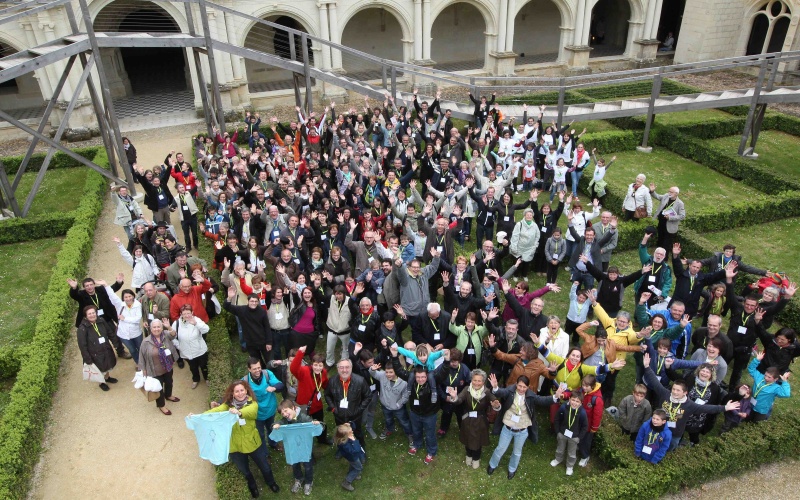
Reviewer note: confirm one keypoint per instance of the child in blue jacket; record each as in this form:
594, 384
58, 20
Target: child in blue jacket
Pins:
766, 388
422, 357
350, 449
654, 438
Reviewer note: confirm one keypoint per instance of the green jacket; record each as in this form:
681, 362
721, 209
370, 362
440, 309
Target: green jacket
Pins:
478, 334
244, 438
666, 282
643, 319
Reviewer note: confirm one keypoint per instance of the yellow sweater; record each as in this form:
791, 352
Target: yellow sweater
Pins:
620, 338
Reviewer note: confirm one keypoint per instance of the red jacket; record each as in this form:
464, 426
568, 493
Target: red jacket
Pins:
306, 385
594, 412
194, 297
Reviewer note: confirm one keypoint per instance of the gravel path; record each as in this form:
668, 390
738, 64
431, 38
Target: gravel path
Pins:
114, 444
768, 481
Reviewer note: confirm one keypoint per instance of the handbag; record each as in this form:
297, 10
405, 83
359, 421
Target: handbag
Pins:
93, 374
640, 213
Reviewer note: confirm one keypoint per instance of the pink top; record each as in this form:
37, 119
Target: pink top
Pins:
524, 301
306, 323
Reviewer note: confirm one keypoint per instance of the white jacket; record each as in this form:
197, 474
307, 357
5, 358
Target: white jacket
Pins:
524, 240
579, 221
144, 268
640, 198
559, 345
190, 337
130, 327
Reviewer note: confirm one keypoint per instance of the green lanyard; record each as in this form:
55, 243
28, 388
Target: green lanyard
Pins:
571, 418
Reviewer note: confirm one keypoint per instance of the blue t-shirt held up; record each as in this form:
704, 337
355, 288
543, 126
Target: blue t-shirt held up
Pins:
213, 433
298, 440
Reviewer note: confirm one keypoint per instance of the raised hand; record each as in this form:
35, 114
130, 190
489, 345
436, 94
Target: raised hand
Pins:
493, 379
646, 360
492, 341
676, 249
644, 298
685, 320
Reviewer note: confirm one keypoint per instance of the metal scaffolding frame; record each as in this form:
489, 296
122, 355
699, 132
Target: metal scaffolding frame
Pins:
202, 42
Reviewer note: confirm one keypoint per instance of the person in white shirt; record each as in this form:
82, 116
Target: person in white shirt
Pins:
129, 312
188, 334
637, 198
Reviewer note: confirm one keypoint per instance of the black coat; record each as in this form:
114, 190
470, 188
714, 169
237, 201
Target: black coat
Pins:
99, 299
506, 396
358, 398
255, 324
98, 346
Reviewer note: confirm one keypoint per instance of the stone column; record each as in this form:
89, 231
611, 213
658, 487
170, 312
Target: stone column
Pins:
653, 34
577, 54
335, 34
501, 28
578, 23
418, 30
325, 34
645, 49
512, 7
41, 74
427, 25
648, 20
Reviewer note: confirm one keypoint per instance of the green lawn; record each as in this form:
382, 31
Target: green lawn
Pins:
687, 117
594, 126
776, 151
61, 190
24, 274
700, 187
778, 249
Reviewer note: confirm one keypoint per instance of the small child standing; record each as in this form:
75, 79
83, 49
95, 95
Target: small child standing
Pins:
734, 417
766, 388
571, 425
422, 357
633, 411
298, 452
594, 406
559, 178
653, 439
351, 450
528, 174
554, 252
550, 160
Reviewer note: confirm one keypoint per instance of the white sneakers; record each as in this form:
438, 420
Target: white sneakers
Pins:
554, 463
569, 471
583, 462
468, 461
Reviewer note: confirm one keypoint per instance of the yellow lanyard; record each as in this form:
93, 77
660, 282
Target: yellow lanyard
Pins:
702, 394
319, 386
474, 403
97, 330
434, 325
759, 389
660, 364
518, 403
454, 377
417, 390
571, 418
745, 319
673, 413
95, 300
651, 437
691, 282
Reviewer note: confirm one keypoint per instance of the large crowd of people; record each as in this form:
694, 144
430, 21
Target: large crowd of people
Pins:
385, 259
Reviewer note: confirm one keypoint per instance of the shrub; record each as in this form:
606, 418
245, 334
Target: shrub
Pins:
60, 160
24, 418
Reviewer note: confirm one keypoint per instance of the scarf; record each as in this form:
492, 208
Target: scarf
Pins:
678, 401
317, 263
477, 394
657, 428
162, 355
238, 404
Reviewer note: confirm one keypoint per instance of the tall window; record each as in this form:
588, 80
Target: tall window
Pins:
770, 25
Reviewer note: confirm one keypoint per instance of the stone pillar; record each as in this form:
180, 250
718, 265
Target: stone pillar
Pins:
501, 28
512, 7
427, 25
325, 34
335, 35
649, 18
237, 65
577, 40
564, 41
578, 59
41, 74
577, 54
653, 34
418, 30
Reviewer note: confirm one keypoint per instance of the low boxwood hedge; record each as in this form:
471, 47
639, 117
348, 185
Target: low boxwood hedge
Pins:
24, 418
60, 160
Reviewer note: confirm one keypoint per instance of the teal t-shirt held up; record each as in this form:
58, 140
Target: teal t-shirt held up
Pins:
213, 434
298, 440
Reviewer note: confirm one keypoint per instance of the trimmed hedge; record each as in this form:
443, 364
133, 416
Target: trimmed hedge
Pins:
60, 160
24, 418
547, 97
9, 362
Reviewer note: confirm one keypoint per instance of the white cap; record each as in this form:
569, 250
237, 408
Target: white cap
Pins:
501, 235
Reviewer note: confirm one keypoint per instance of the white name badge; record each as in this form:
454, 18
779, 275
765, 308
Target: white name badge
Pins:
202, 296
323, 237
742, 329
753, 402
416, 402
151, 316
515, 418
319, 396
370, 259
278, 315
276, 234
99, 312
473, 414
647, 450
161, 197
262, 302
567, 433
362, 328
555, 256
101, 340
167, 352
471, 351
184, 207
544, 229
651, 279
394, 346
506, 218
671, 425
343, 404
242, 421
437, 336
439, 248
700, 401
296, 261
372, 387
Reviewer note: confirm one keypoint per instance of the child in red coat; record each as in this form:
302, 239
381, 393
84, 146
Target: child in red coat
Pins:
311, 383
593, 404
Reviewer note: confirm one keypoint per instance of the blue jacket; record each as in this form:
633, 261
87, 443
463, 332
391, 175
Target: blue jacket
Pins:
658, 442
429, 364
764, 394
267, 402
351, 450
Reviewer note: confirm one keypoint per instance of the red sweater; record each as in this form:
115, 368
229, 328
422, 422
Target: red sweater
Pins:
306, 385
194, 297
594, 413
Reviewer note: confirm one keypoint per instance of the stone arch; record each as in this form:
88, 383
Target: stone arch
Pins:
403, 18
610, 28
142, 70
533, 45
460, 42
308, 23
263, 77
22, 92
375, 30
770, 26
486, 10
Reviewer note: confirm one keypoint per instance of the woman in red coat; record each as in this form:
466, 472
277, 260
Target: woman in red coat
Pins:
311, 384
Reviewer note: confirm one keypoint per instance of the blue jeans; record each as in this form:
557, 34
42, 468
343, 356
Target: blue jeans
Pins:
425, 425
585, 279
401, 415
369, 413
570, 249
576, 179
259, 456
506, 436
280, 340
673, 445
356, 466
239, 327
133, 347
264, 427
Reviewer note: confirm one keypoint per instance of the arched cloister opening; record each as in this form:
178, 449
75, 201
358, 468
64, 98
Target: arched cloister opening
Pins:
537, 45
376, 31
608, 33
769, 28
262, 77
458, 39
142, 70
21, 93
671, 20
